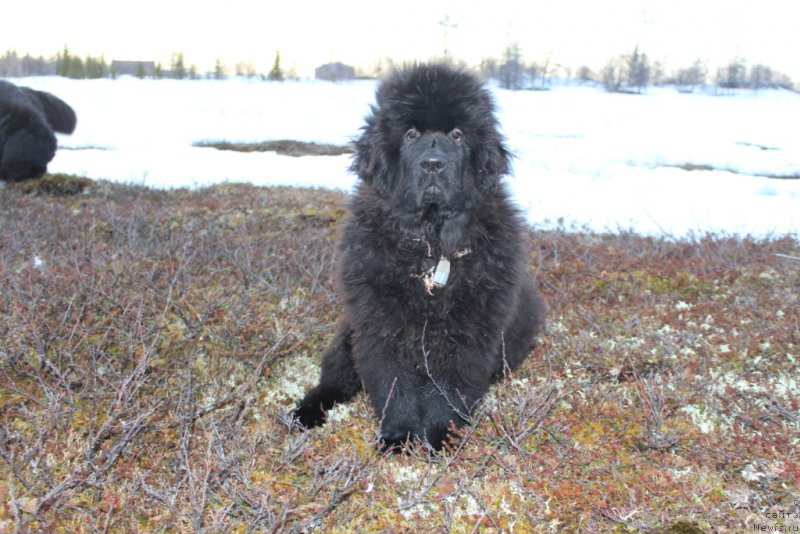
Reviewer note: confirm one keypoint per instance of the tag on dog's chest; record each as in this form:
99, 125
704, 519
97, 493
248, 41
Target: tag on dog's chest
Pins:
442, 273
438, 275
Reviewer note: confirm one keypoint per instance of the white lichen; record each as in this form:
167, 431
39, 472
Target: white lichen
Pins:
339, 413
292, 378
700, 418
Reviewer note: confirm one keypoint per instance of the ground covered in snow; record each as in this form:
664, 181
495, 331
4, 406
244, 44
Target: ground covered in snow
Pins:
154, 340
661, 163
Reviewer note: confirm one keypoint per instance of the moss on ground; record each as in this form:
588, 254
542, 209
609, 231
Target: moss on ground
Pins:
58, 185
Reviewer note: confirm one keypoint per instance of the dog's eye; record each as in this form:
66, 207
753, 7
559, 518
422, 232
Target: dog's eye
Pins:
412, 134
457, 135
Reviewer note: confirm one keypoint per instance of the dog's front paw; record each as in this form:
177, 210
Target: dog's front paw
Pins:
308, 417
394, 440
437, 437
309, 413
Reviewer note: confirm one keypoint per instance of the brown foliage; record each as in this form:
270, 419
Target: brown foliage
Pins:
153, 341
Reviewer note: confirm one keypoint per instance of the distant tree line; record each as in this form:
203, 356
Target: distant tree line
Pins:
13, 66
627, 73
635, 72
63, 63
632, 73
69, 65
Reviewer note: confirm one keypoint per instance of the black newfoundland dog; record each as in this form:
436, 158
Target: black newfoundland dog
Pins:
438, 301
28, 119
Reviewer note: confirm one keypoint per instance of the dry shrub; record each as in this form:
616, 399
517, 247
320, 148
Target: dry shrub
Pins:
153, 342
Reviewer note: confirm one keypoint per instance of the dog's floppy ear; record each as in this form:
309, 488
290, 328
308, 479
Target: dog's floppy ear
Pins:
491, 161
60, 116
369, 162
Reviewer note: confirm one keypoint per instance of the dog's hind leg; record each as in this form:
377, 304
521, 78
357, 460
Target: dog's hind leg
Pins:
338, 381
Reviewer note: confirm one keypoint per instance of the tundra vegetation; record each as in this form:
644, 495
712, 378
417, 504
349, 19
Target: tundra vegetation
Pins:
154, 341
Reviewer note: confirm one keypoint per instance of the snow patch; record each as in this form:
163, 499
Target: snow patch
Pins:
584, 159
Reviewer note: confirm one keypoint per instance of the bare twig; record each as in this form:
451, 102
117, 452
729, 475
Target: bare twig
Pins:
458, 411
788, 256
446, 466
783, 410
239, 393
532, 418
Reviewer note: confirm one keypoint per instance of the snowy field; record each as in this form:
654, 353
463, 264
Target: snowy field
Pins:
584, 158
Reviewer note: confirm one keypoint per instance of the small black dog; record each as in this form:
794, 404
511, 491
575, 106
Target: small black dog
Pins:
28, 119
438, 301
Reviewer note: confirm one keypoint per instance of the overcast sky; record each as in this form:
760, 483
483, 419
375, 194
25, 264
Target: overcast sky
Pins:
309, 33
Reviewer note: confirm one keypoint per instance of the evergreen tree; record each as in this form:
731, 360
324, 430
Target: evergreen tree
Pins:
219, 70
94, 67
140, 73
76, 69
10, 64
276, 74
63, 61
177, 68
638, 70
158, 71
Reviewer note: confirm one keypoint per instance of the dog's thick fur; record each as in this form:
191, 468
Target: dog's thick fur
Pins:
430, 160
28, 119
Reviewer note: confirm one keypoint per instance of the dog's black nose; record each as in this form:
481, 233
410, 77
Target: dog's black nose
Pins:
432, 165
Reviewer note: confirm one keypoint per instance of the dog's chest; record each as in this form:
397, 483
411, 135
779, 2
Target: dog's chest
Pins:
433, 281
437, 273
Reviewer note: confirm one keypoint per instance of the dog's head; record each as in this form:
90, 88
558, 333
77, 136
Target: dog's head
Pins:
27, 146
431, 145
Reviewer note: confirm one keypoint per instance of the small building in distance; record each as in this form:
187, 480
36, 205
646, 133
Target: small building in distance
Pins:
141, 69
334, 72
